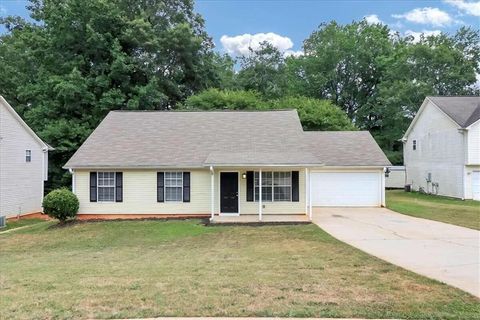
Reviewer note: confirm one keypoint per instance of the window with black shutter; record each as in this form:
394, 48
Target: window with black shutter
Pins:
93, 187
160, 187
186, 187
118, 186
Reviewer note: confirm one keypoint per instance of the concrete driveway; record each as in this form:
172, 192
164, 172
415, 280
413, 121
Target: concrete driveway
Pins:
441, 251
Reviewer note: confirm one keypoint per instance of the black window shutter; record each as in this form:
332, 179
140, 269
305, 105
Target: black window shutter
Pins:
250, 186
160, 187
295, 192
118, 186
93, 187
186, 187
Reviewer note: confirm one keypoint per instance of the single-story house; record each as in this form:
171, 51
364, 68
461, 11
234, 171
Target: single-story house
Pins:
210, 164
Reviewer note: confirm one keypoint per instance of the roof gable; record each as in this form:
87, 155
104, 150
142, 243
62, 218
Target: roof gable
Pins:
15, 115
463, 110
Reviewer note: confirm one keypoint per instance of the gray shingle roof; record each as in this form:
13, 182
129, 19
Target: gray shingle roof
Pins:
463, 110
346, 148
130, 139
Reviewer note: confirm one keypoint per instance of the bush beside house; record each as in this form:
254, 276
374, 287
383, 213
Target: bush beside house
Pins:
61, 204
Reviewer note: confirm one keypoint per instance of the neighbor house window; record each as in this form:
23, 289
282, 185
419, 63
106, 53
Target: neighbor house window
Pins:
414, 144
28, 155
173, 186
106, 186
276, 186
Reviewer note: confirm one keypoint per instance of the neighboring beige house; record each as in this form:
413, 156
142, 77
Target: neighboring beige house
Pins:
170, 163
23, 165
442, 147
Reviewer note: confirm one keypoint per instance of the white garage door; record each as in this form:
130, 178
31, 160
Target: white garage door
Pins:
346, 189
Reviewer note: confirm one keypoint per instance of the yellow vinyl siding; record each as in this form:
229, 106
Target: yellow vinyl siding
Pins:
283, 207
140, 194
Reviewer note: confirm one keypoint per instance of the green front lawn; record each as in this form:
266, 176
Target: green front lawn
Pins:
455, 211
182, 268
14, 223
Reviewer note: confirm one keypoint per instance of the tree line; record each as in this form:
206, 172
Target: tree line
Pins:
73, 61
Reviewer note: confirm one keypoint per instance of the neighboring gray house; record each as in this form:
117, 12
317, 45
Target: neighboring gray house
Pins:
23, 165
442, 147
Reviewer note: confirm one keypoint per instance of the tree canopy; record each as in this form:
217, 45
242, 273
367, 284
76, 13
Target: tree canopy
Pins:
313, 113
65, 68
78, 59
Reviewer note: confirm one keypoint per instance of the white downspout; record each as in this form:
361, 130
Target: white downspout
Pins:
212, 193
383, 187
72, 172
260, 195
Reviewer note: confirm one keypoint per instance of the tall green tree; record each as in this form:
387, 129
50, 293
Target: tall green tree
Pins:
263, 70
76, 60
380, 78
314, 114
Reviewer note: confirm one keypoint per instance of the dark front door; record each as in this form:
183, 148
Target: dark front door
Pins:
229, 192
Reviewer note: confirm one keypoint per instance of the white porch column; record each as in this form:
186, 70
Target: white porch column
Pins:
259, 194
310, 195
306, 190
212, 193
383, 187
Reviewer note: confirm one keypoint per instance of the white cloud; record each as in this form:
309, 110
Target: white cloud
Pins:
3, 10
239, 45
426, 33
427, 15
373, 19
471, 8
290, 53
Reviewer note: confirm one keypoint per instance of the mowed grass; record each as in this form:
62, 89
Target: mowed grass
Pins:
182, 268
465, 213
14, 223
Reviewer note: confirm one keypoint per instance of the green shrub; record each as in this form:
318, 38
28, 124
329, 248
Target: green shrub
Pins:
61, 204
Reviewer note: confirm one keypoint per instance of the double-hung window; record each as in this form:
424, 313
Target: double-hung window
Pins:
28, 155
282, 186
106, 186
276, 186
266, 186
414, 144
173, 186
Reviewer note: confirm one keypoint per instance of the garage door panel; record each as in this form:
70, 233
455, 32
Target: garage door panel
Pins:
346, 189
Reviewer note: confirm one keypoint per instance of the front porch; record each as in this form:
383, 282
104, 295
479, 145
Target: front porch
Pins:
266, 219
236, 196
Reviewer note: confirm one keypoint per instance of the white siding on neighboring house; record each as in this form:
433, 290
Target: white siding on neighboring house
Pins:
21, 182
474, 144
440, 151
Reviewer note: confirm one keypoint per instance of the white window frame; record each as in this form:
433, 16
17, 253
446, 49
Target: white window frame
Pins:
282, 185
272, 186
165, 186
28, 155
114, 187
